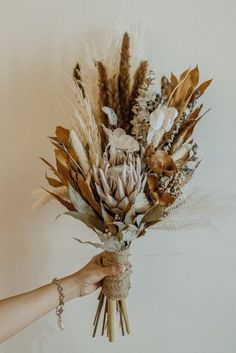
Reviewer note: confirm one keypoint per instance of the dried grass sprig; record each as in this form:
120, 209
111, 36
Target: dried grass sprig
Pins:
139, 79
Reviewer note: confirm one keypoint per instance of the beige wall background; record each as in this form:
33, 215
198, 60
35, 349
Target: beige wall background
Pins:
183, 295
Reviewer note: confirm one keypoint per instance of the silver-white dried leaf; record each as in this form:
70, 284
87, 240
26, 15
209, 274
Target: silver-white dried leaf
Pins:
141, 204
112, 117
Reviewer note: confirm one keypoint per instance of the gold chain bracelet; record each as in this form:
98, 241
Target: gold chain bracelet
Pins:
59, 308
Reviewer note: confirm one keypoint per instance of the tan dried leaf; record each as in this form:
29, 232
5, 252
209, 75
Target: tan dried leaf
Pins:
153, 215
66, 204
203, 86
86, 192
174, 80
63, 135
54, 182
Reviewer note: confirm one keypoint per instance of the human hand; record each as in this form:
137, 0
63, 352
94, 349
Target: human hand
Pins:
89, 278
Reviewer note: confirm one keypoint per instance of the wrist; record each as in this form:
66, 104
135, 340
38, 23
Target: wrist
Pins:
71, 287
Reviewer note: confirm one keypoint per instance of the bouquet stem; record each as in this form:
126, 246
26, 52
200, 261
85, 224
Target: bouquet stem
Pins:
112, 298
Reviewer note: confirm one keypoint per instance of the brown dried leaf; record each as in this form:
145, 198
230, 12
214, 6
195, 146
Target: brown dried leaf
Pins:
192, 117
194, 74
184, 74
152, 188
108, 219
63, 135
142, 233
153, 215
203, 86
86, 192
174, 80
57, 144
63, 167
54, 182
184, 91
66, 204
183, 136
160, 161
166, 199
51, 167
166, 87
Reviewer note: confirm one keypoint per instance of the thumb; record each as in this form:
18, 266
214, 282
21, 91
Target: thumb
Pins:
113, 270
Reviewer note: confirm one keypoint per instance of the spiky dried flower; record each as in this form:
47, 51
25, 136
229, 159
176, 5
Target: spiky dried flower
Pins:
118, 182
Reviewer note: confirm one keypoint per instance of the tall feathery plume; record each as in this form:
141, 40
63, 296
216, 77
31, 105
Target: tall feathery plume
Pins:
86, 126
124, 80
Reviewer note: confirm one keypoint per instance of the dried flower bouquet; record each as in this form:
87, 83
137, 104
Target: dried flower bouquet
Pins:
122, 166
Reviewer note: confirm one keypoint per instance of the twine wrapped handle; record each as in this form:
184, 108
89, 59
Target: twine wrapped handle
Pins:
116, 288
113, 296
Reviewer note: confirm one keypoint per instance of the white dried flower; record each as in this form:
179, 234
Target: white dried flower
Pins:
161, 121
118, 140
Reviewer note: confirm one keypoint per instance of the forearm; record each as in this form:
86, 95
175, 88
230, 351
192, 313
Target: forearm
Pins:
21, 310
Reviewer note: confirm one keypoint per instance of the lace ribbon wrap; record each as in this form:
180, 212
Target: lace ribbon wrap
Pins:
116, 288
